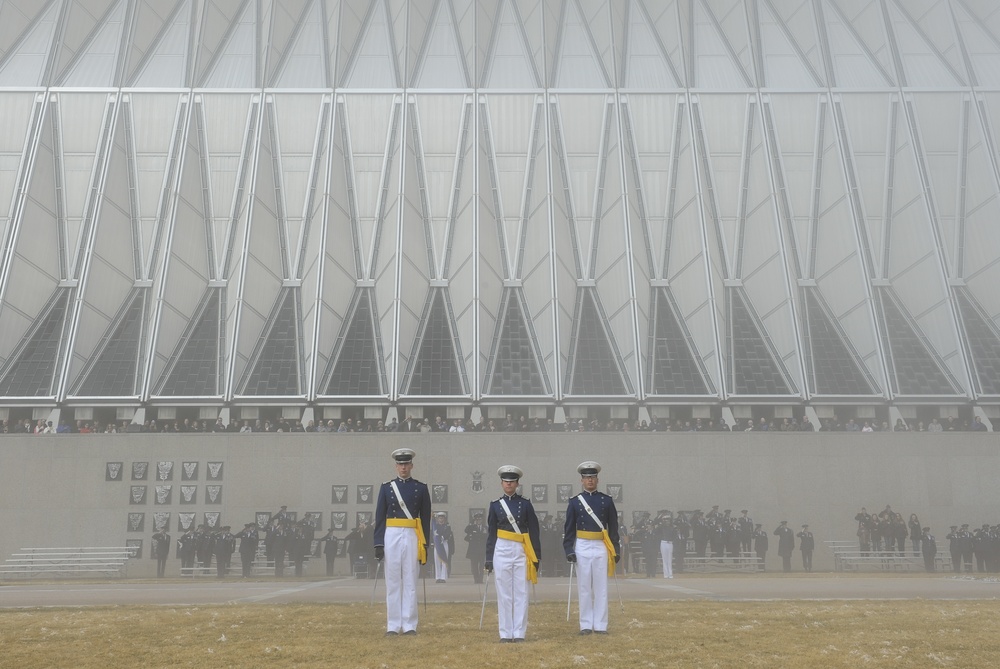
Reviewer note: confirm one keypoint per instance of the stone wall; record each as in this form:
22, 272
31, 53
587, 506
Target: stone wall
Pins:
57, 492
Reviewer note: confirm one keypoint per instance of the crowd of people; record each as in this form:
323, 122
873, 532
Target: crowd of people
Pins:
508, 424
282, 541
696, 534
887, 533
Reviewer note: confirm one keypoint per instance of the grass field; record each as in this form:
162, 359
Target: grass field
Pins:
649, 634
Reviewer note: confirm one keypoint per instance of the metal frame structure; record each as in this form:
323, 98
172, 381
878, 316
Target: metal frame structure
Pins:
499, 202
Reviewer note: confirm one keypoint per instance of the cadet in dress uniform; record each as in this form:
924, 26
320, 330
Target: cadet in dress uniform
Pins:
954, 546
444, 547
745, 523
224, 547
590, 539
928, 546
402, 532
786, 544
186, 545
475, 534
513, 548
806, 544
668, 539
249, 538
760, 545
161, 551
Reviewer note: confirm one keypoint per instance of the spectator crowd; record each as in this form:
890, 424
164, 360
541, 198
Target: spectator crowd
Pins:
508, 424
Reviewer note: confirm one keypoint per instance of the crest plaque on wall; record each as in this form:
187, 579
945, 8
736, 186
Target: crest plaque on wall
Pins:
339, 495
213, 494
215, 471
134, 546
163, 493
137, 494
439, 493
164, 471
113, 471
136, 522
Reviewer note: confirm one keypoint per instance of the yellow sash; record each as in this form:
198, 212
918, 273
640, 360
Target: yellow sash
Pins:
602, 536
418, 527
529, 551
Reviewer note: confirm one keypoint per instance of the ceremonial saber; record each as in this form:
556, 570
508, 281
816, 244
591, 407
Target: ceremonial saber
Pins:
485, 592
378, 569
621, 602
569, 596
424, 579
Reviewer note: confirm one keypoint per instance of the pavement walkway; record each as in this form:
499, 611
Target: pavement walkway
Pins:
728, 587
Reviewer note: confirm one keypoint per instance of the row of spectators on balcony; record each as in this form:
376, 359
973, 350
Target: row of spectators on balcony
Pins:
950, 424
509, 424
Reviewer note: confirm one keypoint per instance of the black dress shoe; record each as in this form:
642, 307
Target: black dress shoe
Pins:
392, 633
600, 631
506, 641
410, 633
586, 632
519, 640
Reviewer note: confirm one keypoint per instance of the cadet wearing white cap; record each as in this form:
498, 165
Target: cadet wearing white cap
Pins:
444, 546
402, 527
590, 539
513, 549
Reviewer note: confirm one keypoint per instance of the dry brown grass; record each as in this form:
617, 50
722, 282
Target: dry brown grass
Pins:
650, 634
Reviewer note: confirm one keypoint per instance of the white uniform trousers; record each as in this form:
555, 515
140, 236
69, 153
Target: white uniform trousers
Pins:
667, 553
401, 573
440, 567
592, 580
510, 566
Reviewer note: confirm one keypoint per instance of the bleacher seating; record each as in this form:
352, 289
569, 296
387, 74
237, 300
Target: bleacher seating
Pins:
848, 557
63, 562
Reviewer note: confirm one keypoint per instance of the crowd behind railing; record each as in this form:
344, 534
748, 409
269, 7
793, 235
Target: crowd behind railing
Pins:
508, 424
885, 534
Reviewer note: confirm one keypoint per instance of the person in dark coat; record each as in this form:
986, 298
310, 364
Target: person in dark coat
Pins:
786, 545
929, 548
760, 545
249, 538
476, 535
203, 545
330, 546
699, 532
718, 531
734, 539
186, 547
954, 547
161, 551
806, 544
649, 539
224, 546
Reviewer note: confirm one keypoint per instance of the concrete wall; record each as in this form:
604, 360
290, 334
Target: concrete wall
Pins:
55, 491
